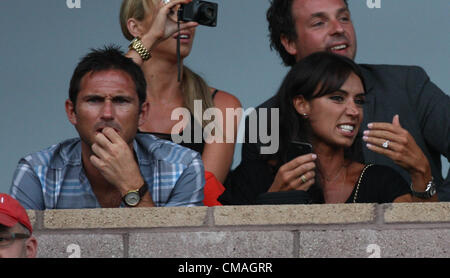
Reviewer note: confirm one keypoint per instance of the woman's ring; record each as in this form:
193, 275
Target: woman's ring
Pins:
165, 2
303, 178
386, 144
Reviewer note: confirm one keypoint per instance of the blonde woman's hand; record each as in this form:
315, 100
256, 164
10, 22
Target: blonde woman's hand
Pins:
164, 23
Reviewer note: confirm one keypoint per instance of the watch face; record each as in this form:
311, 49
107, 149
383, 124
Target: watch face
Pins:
432, 191
132, 199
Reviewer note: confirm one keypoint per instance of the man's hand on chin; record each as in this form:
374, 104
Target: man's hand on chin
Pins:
115, 160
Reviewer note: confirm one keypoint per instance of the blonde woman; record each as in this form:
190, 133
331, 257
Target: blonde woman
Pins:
152, 24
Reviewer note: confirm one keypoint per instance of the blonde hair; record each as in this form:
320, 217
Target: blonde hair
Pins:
193, 86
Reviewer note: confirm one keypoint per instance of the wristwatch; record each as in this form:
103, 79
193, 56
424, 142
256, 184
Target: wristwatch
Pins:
429, 192
133, 197
136, 44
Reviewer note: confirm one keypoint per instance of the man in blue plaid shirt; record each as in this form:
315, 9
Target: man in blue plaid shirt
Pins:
110, 164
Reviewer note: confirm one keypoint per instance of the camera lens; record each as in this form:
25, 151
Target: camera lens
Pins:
203, 12
207, 13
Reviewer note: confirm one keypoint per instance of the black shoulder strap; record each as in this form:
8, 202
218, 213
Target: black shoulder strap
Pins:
214, 94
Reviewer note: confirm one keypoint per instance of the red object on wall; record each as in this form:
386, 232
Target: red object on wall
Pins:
213, 189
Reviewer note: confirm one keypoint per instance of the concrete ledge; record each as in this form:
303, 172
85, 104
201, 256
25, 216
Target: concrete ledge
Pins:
294, 214
291, 231
124, 218
80, 246
417, 212
238, 244
33, 218
377, 244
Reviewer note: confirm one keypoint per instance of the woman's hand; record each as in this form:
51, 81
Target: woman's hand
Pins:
297, 174
397, 143
164, 23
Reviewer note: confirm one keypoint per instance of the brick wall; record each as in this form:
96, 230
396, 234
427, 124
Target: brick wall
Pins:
298, 231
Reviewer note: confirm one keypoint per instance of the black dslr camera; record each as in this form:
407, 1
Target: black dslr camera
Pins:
202, 12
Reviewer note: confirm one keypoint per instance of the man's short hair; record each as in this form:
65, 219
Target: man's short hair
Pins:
281, 22
107, 58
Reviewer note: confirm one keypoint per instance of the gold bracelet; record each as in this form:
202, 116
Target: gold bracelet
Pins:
136, 44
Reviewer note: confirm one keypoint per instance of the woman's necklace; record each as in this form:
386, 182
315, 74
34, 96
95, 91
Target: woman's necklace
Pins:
328, 180
335, 192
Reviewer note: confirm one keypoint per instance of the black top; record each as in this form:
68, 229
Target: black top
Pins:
379, 184
249, 182
390, 90
196, 146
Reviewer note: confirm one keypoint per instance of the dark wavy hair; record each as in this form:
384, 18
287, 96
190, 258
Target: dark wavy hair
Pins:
107, 58
316, 75
281, 22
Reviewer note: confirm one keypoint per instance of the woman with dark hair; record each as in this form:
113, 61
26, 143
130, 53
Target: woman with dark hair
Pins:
321, 104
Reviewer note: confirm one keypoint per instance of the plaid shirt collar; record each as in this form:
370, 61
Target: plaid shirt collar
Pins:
72, 156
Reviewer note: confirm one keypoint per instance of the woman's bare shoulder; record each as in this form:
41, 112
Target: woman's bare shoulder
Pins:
224, 99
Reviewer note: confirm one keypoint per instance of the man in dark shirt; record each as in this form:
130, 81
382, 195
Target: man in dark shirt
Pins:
411, 115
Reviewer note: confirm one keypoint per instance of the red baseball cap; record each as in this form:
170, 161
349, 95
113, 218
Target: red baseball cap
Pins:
12, 212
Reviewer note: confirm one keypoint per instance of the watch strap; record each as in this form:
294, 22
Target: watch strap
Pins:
428, 193
143, 190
